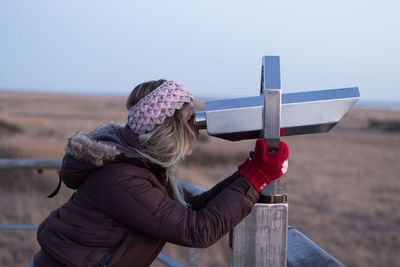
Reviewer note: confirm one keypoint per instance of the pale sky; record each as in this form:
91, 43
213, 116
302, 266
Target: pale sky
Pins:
212, 47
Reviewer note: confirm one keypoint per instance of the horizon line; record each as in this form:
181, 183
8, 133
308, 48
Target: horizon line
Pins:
367, 103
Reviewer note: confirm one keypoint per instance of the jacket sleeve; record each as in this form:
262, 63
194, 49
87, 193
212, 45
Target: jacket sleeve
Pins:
139, 205
198, 202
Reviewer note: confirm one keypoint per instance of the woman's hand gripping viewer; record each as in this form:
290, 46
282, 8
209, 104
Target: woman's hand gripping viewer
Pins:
265, 167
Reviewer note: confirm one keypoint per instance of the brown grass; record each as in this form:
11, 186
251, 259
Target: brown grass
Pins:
7, 128
343, 186
384, 125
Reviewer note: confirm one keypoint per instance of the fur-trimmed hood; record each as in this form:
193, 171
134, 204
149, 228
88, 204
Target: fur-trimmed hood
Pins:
108, 143
97, 147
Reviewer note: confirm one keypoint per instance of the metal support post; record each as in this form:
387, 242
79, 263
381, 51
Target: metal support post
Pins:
271, 90
261, 238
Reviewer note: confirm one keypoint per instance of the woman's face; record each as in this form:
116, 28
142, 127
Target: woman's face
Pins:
190, 117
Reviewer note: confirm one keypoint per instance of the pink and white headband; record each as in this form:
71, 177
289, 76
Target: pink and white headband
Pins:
156, 106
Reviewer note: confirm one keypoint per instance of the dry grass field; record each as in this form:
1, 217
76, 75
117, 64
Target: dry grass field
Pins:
343, 186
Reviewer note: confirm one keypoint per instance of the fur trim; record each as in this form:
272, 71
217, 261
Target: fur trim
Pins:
107, 126
82, 146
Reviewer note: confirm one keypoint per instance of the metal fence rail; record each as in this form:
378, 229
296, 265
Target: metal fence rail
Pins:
29, 164
18, 227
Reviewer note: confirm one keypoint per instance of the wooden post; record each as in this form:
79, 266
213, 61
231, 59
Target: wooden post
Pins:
261, 238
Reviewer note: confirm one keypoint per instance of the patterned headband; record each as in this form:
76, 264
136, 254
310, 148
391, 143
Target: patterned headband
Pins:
156, 106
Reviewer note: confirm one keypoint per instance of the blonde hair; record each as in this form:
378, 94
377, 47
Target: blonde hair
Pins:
168, 143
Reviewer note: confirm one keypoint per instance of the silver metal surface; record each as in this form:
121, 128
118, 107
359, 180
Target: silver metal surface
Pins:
277, 189
18, 227
193, 257
200, 120
168, 261
272, 117
24, 164
271, 90
261, 238
302, 113
302, 251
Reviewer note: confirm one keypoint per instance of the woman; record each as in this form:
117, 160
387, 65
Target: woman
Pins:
128, 202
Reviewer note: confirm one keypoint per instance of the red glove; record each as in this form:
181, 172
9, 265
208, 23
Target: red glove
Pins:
262, 169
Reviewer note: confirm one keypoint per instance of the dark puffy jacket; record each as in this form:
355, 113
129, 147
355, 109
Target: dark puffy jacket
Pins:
122, 207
